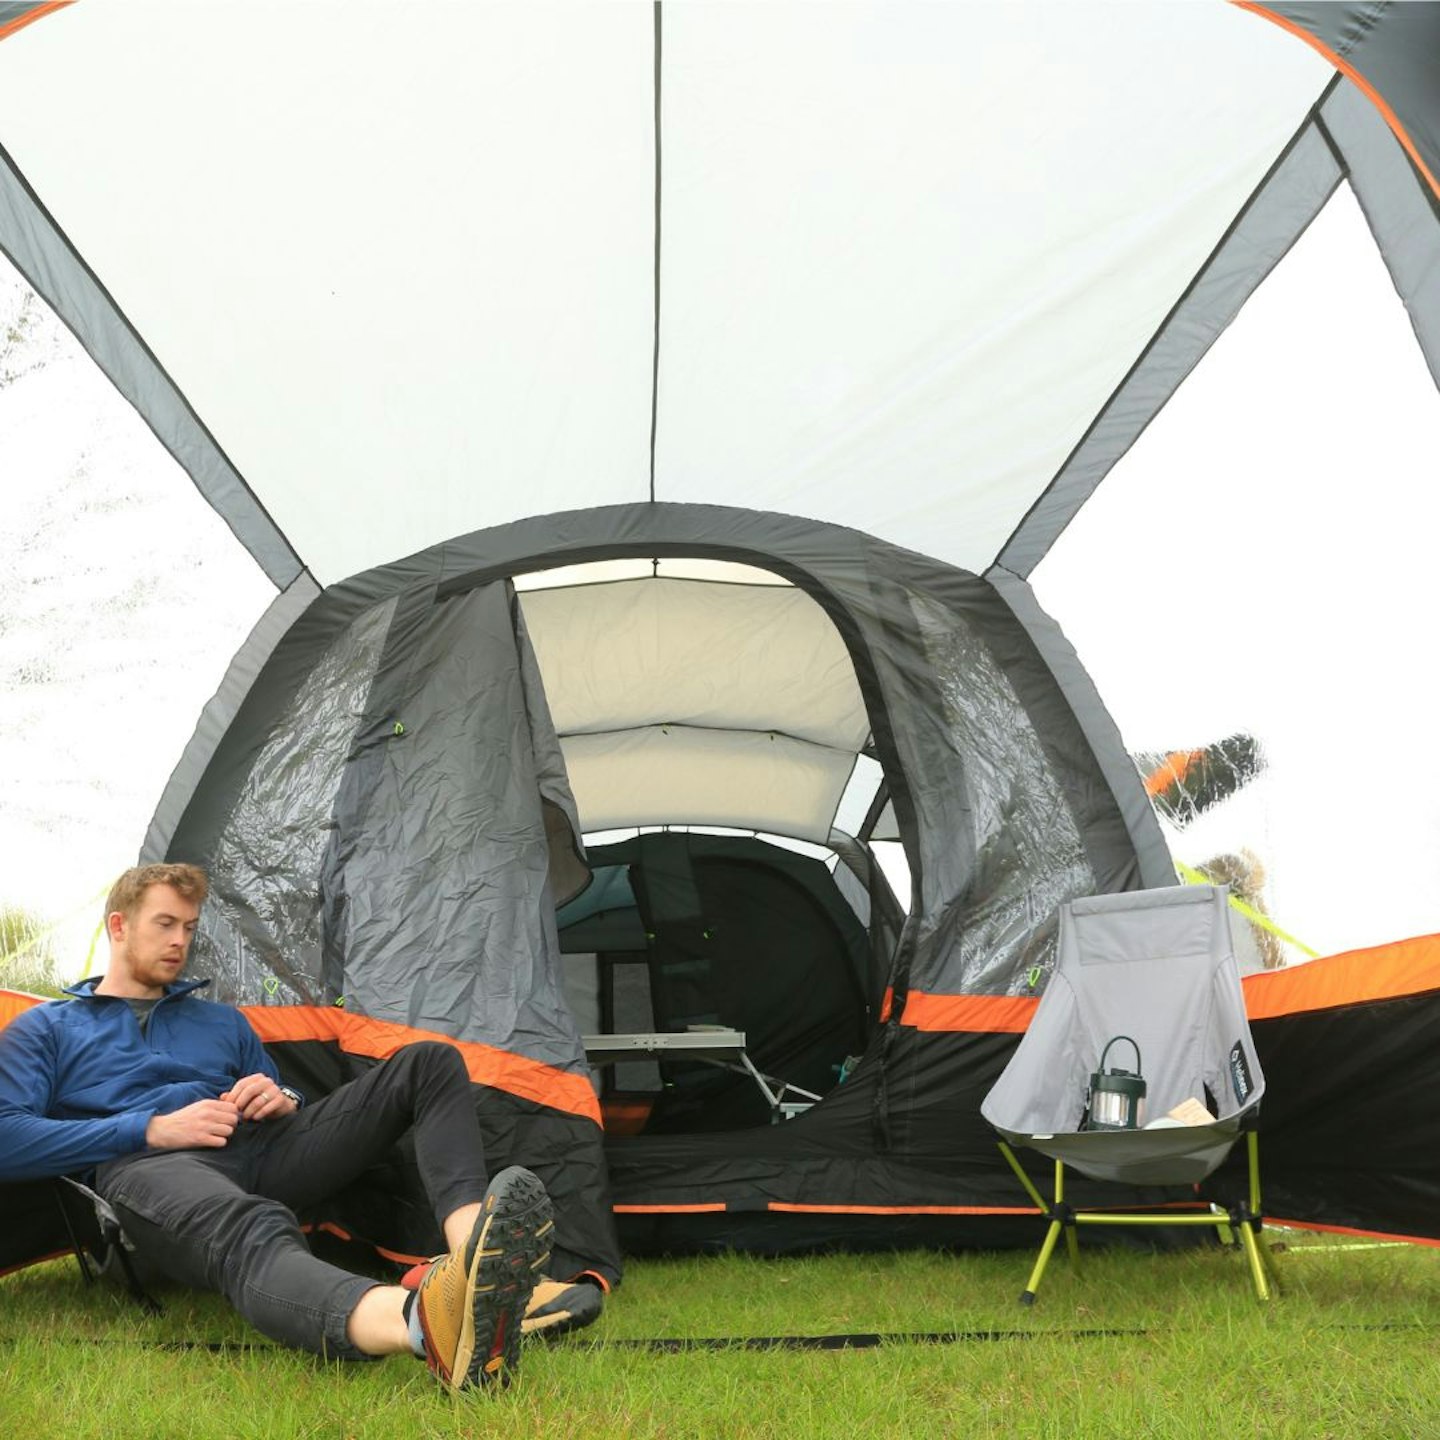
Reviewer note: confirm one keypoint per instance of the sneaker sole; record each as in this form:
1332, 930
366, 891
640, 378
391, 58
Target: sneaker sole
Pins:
512, 1249
562, 1319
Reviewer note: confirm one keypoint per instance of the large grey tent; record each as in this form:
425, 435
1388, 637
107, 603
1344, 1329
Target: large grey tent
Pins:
653, 416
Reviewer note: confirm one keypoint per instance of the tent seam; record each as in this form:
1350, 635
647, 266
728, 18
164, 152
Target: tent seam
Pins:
655, 351
1312, 116
7, 161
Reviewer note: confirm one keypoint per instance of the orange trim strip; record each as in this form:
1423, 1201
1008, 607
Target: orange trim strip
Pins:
380, 1039
31, 16
628, 1109
39, 1259
399, 1256
998, 1014
708, 1209
1273, 1220
16, 1002
1351, 73
788, 1209
781, 1205
1387, 972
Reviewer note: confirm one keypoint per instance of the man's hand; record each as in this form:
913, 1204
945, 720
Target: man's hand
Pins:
206, 1123
258, 1097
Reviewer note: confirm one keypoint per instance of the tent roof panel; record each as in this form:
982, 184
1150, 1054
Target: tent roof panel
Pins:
907, 249
915, 319
399, 261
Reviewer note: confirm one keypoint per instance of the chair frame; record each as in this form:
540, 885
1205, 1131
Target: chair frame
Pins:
99, 1241
1245, 1218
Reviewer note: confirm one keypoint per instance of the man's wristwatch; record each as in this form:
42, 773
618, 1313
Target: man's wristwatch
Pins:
293, 1096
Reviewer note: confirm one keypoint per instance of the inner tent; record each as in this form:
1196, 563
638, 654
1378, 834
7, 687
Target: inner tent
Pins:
700, 705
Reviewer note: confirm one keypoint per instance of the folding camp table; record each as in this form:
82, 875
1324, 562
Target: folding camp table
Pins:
725, 1048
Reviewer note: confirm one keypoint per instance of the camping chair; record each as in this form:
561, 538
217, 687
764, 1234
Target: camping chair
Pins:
100, 1243
1155, 968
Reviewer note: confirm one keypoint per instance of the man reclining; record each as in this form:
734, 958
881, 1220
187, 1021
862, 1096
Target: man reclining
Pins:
206, 1157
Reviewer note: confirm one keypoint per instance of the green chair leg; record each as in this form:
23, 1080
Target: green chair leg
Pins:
1027, 1296
1267, 1256
1257, 1266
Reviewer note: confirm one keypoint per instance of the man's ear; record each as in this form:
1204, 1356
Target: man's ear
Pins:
115, 926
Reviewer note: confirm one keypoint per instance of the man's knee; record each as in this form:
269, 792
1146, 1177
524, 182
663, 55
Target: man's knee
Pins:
212, 1241
434, 1058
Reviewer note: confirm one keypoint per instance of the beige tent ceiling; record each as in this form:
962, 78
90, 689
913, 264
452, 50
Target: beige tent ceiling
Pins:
686, 701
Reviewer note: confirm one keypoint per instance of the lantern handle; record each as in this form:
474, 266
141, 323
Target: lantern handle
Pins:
1139, 1065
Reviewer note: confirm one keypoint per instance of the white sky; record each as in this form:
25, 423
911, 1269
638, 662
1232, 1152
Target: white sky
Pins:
122, 599
1264, 559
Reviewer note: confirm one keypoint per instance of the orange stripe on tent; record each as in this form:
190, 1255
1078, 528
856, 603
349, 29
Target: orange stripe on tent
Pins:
788, 1209
784, 1206
380, 1039
16, 1002
998, 1014
328, 1227
1357, 977
39, 1259
1352, 74
1349, 1230
31, 16
710, 1208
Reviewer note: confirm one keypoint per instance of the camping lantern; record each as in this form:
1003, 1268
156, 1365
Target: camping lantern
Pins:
1115, 1095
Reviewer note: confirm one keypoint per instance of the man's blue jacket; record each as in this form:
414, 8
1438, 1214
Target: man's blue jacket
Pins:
79, 1082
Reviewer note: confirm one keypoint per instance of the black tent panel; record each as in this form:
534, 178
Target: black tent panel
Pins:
737, 932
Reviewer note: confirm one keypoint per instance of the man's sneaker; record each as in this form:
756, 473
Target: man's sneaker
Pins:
557, 1307
472, 1302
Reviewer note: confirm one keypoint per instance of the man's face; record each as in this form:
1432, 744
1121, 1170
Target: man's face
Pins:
150, 947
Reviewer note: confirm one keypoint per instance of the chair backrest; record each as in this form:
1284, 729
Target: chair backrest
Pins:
1156, 965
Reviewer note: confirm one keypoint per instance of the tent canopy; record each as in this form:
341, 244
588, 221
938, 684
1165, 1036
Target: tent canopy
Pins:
451, 265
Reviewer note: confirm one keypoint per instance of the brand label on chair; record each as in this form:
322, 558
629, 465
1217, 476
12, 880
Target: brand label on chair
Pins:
1240, 1073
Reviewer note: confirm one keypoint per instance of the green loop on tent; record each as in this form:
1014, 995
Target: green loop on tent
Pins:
340, 1002
399, 729
271, 985
1191, 876
1033, 978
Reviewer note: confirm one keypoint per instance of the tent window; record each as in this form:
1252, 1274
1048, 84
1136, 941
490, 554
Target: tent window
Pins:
274, 844
1028, 855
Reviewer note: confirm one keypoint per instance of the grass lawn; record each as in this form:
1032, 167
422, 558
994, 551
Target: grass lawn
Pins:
1135, 1346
